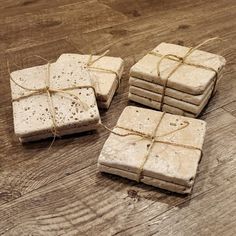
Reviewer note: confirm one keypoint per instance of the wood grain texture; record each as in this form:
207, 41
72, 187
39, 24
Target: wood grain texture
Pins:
59, 191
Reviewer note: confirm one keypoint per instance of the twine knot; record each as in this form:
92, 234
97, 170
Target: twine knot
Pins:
181, 59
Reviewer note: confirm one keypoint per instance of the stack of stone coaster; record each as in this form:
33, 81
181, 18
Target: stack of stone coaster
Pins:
188, 88
170, 162
53, 99
105, 74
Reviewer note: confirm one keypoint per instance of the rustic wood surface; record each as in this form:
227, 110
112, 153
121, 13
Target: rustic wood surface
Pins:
59, 191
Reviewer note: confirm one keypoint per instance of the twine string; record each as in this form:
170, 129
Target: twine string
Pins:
181, 61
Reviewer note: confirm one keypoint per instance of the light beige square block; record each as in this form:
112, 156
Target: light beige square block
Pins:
32, 115
193, 99
166, 162
178, 188
156, 105
189, 79
185, 106
105, 83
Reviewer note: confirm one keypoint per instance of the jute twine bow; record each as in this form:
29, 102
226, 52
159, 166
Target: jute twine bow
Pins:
182, 61
50, 91
153, 138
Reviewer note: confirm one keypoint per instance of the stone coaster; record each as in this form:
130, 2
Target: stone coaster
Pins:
193, 99
188, 79
156, 105
173, 160
33, 114
185, 106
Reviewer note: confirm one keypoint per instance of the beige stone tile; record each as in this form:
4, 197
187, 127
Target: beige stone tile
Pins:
156, 105
193, 99
187, 78
185, 106
32, 116
166, 162
147, 180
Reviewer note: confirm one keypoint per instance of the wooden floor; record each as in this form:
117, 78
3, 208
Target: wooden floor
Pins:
59, 191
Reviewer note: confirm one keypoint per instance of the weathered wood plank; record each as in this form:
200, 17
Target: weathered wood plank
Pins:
49, 24
231, 108
112, 205
210, 213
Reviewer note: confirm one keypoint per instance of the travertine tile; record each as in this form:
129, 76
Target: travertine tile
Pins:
32, 115
178, 188
193, 99
185, 106
189, 79
156, 105
170, 162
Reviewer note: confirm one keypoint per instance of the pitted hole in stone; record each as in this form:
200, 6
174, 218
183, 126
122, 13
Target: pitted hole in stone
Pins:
148, 145
173, 124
